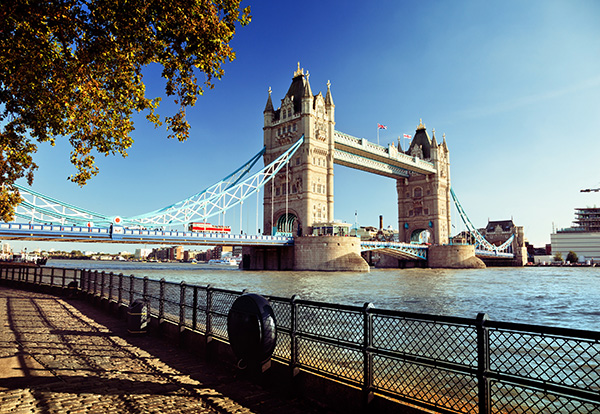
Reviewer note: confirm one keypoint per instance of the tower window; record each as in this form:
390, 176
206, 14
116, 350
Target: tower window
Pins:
418, 192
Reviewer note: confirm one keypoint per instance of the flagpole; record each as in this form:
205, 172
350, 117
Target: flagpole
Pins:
377, 134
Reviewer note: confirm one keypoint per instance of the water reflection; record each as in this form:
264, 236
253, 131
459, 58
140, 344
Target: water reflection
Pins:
565, 297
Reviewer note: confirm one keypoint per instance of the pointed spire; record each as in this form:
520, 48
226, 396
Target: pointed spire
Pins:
328, 97
307, 91
444, 142
269, 106
433, 140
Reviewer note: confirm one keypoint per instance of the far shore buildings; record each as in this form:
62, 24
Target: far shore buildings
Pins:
178, 253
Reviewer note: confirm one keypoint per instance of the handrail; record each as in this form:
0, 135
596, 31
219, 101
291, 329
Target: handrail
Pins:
442, 363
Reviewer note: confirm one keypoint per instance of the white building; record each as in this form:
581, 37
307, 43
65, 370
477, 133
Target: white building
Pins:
586, 245
142, 253
583, 238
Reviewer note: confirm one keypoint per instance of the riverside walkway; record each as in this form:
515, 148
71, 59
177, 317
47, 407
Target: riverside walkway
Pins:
61, 355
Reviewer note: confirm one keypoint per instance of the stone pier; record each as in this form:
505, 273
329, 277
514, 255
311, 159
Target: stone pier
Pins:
318, 253
454, 256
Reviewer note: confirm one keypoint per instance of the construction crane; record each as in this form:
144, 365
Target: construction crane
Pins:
589, 190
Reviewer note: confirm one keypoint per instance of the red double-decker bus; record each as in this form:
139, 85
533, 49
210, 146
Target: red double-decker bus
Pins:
208, 228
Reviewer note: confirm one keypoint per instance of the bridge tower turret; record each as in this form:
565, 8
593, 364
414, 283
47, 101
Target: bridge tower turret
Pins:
302, 193
424, 200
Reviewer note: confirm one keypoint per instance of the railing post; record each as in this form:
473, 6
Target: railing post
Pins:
120, 293
367, 355
83, 280
483, 364
161, 302
209, 299
131, 286
102, 274
294, 369
95, 282
52, 277
35, 271
195, 308
110, 286
182, 306
145, 295
64, 278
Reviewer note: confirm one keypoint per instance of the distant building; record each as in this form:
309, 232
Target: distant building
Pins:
141, 254
6, 249
583, 237
365, 233
335, 228
176, 253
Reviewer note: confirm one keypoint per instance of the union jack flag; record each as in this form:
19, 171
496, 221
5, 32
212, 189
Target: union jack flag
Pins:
379, 126
407, 136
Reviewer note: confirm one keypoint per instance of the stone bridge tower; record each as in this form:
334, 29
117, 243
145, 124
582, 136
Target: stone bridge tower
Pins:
424, 200
302, 193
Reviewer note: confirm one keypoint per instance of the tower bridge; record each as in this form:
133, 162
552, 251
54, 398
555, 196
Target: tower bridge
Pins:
303, 194
301, 146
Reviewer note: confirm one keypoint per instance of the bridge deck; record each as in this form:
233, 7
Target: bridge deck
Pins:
364, 155
16, 231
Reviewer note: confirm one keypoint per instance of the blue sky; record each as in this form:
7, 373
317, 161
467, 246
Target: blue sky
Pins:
514, 85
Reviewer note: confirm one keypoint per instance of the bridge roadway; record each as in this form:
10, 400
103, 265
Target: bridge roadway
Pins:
117, 234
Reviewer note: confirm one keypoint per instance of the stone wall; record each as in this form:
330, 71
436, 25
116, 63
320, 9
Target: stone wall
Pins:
454, 256
329, 253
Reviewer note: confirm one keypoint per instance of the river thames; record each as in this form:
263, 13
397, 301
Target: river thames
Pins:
553, 296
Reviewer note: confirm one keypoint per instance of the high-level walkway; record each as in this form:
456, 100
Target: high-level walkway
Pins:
62, 355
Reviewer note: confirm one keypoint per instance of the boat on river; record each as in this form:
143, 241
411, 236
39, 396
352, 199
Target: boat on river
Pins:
229, 261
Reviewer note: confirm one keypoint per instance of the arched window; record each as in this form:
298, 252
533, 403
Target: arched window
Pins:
418, 192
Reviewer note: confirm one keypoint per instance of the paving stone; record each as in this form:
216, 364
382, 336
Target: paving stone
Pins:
86, 363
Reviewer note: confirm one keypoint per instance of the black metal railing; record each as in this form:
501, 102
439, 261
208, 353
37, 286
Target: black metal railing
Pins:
446, 364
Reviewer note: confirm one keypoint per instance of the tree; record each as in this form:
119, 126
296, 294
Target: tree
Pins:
572, 257
558, 257
73, 69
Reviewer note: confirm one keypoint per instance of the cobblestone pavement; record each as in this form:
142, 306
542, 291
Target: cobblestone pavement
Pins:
64, 356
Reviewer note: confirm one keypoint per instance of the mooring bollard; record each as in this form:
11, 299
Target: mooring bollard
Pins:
252, 331
137, 317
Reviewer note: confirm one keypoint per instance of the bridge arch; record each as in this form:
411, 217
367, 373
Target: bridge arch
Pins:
421, 236
288, 223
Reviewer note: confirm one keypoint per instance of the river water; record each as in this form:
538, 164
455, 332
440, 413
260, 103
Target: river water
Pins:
553, 296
